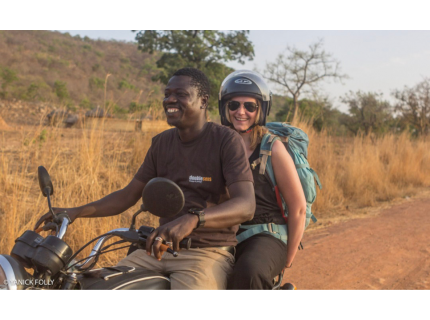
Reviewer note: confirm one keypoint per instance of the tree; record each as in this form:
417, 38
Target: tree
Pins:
60, 89
318, 110
297, 70
414, 105
368, 112
8, 76
205, 50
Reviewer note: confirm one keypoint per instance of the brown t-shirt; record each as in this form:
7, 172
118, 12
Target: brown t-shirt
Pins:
203, 168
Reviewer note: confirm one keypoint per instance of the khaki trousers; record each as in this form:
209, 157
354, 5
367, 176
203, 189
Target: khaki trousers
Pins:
201, 269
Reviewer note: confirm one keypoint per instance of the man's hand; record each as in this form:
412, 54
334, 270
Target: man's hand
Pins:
173, 231
47, 217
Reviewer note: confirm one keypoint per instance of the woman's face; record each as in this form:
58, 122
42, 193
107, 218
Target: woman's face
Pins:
241, 118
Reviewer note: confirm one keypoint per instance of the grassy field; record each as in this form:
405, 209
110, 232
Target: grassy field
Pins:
87, 164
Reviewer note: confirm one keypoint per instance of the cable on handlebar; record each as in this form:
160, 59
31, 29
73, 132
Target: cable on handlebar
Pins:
97, 256
85, 245
103, 251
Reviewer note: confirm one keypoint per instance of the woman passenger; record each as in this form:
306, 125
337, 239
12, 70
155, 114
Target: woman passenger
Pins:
244, 102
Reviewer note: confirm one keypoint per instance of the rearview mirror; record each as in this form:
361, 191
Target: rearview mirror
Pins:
45, 182
162, 197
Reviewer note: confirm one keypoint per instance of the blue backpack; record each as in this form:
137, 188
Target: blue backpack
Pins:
296, 142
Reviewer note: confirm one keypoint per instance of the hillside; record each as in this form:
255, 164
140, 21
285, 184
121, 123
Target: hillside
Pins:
71, 71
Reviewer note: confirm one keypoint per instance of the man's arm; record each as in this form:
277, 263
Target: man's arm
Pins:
111, 205
239, 208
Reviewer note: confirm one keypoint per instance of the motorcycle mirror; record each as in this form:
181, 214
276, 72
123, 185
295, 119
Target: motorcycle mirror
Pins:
45, 182
162, 197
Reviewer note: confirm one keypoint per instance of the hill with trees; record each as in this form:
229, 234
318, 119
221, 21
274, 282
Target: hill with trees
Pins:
72, 71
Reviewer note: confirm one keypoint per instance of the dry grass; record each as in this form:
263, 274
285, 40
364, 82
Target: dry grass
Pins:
87, 164
364, 170
84, 165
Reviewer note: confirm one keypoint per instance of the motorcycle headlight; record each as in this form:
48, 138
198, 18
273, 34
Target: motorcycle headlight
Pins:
2, 279
12, 275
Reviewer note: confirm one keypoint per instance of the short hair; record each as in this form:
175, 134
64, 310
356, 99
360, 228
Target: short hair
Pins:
198, 80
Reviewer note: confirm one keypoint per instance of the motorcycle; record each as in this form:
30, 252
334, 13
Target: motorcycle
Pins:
54, 264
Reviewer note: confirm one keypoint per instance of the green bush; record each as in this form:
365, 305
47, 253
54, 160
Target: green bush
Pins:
96, 67
8, 76
86, 103
124, 84
135, 107
118, 110
60, 89
96, 83
32, 92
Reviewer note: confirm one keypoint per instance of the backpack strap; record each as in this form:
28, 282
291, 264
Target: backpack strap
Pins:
266, 165
266, 155
279, 231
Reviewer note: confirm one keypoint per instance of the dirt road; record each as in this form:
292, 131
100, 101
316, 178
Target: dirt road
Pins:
388, 251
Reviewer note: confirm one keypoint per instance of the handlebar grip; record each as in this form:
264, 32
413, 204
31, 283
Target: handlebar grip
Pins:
185, 243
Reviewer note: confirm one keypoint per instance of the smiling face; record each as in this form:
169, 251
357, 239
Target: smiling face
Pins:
182, 104
241, 118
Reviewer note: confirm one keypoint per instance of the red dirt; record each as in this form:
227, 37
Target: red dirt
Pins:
388, 251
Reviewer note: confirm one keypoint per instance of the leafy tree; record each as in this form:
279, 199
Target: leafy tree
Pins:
96, 83
124, 84
414, 105
296, 70
8, 76
60, 89
318, 110
86, 103
206, 50
368, 112
135, 107
32, 91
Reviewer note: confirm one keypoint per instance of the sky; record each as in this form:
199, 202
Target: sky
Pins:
376, 61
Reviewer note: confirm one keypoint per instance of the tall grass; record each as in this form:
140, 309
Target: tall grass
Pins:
84, 165
364, 170
87, 164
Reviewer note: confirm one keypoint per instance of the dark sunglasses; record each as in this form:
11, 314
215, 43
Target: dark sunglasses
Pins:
234, 105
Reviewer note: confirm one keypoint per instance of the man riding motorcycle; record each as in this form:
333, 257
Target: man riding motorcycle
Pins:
208, 162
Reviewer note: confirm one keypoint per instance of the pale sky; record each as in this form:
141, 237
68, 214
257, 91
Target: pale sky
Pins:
378, 61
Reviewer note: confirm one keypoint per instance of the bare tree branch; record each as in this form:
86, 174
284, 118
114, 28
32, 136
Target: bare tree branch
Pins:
297, 69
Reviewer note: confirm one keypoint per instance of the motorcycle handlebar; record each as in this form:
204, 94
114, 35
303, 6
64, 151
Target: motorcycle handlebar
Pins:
63, 228
121, 232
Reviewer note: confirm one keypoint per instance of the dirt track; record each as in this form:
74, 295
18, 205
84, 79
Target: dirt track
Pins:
388, 251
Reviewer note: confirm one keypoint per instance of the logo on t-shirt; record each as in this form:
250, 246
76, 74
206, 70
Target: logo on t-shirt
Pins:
199, 179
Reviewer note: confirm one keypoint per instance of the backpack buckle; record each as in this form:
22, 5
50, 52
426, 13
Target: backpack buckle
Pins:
273, 228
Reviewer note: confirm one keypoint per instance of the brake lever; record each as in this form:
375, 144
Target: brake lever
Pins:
163, 247
134, 237
50, 226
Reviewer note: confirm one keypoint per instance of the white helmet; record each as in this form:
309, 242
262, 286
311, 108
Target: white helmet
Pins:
245, 83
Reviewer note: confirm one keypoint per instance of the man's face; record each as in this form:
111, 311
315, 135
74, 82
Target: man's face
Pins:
181, 103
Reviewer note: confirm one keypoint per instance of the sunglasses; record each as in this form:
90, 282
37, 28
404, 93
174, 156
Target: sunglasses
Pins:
250, 106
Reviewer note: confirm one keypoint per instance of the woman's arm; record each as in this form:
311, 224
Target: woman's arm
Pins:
291, 190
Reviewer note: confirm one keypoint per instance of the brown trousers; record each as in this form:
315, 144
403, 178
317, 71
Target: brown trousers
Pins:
201, 269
